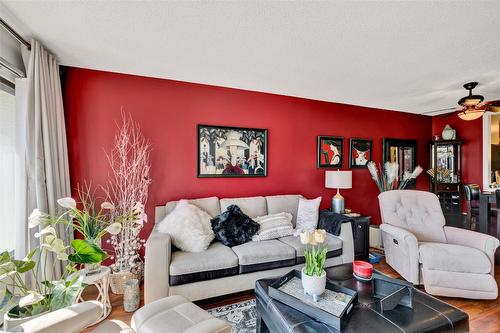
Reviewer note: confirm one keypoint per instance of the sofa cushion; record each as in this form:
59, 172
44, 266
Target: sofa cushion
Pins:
453, 258
217, 261
251, 206
274, 226
284, 203
308, 214
210, 205
189, 227
416, 211
268, 254
334, 246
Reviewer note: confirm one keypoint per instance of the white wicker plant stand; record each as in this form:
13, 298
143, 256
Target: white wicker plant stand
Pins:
101, 281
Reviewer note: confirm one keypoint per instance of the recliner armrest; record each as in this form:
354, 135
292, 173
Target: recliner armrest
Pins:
158, 251
403, 255
486, 243
400, 233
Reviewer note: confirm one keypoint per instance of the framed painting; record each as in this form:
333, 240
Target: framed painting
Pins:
330, 151
360, 152
231, 151
404, 153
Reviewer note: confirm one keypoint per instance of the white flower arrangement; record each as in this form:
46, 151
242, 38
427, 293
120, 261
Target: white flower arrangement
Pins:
128, 187
388, 179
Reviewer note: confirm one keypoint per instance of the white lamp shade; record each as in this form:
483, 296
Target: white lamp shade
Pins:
338, 179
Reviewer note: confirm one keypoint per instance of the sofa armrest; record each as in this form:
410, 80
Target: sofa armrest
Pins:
71, 319
401, 251
156, 266
486, 243
347, 243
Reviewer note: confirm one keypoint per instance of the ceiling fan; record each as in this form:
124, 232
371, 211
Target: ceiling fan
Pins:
470, 107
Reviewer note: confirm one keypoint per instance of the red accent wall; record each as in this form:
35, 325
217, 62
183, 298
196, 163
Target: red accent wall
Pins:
169, 111
472, 150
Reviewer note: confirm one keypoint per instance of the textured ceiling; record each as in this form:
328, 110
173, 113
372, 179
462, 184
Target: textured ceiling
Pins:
408, 56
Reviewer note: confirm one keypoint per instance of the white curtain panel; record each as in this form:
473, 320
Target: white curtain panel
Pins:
42, 142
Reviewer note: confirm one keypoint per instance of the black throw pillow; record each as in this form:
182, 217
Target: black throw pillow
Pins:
233, 227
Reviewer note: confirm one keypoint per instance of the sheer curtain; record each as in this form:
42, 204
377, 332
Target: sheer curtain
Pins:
42, 149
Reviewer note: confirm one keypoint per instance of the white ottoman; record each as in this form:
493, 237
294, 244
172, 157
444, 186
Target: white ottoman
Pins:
173, 314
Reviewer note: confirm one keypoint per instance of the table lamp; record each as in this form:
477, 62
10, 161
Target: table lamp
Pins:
338, 179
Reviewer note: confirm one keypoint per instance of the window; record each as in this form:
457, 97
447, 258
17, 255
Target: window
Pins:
7, 169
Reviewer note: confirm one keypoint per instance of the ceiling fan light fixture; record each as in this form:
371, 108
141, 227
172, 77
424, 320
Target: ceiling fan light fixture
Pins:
472, 100
471, 115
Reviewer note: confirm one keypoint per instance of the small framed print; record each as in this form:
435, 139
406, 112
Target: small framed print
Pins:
360, 152
330, 151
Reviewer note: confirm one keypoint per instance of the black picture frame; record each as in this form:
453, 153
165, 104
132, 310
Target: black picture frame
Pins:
401, 146
357, 145
214, 156
327, 154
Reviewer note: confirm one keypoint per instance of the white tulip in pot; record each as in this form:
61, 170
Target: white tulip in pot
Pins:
313, 273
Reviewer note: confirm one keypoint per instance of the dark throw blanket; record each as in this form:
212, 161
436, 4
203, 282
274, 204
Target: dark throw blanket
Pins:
332, 222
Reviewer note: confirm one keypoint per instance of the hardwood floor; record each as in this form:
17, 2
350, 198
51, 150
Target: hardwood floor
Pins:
484, 316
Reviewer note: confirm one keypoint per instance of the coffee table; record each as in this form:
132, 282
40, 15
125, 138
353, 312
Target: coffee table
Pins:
429, 314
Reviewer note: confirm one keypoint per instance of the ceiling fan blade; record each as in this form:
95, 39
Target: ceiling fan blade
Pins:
446, 115
440, 110
493, 108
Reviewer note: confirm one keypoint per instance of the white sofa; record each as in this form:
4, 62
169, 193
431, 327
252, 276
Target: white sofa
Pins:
447, 261
222, 270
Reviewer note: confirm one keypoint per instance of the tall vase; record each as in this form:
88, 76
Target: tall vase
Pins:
313, 285
131, 295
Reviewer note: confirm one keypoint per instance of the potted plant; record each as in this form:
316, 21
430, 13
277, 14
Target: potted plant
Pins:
92, 223
313, 273
32, 286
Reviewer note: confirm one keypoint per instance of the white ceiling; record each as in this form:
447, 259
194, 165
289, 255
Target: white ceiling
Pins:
410, 56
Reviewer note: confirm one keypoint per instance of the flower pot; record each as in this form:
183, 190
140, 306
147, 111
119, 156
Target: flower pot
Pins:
314, 285
92, 268
11, 322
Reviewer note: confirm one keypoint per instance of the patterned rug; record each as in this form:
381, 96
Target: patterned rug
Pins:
241, 316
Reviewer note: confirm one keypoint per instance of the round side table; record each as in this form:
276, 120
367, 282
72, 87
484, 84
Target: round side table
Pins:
101, 281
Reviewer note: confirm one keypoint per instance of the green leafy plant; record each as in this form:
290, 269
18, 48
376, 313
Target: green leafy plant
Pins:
29, 285
315, 251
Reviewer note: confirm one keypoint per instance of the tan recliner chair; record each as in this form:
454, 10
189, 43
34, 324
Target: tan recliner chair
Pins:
448, 261
174, 314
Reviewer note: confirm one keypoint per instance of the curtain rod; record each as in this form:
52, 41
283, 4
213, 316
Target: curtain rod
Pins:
14, 34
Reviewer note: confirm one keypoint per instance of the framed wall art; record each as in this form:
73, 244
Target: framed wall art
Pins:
231, 151
360, 152
330, 151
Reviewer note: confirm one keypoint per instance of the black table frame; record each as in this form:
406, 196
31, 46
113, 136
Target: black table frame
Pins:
485, 201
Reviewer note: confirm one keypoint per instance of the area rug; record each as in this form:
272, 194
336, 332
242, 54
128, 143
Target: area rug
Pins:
241, 316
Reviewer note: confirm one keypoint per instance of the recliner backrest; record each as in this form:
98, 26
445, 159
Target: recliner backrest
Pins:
419, 212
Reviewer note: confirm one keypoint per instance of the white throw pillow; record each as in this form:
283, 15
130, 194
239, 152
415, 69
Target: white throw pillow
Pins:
273, 226
308, 214
189, 227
